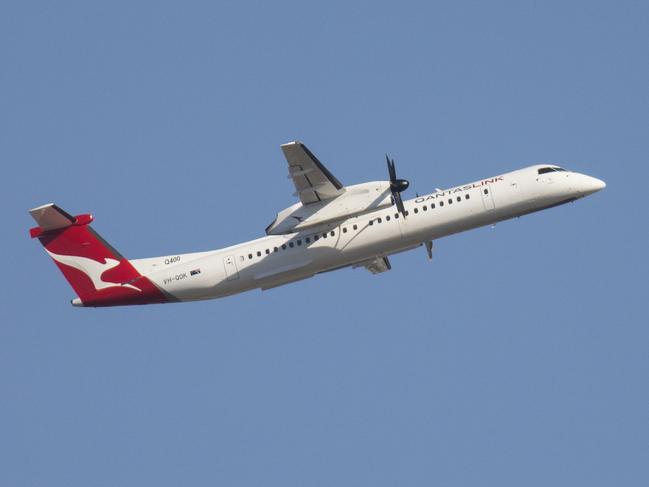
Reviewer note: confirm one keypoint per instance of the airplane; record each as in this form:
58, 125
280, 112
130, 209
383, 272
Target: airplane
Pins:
331, 227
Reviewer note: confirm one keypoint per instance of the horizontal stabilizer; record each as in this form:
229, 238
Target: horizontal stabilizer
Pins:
51, 217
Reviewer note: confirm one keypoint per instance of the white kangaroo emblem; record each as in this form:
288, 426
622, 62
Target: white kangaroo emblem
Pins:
92, 269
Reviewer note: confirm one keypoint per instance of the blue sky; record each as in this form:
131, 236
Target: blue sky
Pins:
519, 356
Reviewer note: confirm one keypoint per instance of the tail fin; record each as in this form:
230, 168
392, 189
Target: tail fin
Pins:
99, 274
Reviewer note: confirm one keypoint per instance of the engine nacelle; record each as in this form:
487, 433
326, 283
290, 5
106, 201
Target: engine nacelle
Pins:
356, 200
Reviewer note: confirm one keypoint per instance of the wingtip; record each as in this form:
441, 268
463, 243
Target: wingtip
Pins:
293, 142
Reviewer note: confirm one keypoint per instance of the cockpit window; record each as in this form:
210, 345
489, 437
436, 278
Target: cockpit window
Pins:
548, 169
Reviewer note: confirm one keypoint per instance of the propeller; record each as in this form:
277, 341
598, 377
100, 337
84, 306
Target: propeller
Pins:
396, 186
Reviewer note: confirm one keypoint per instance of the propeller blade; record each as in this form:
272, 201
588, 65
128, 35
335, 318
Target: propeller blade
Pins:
396, 186
391, 170
399, 203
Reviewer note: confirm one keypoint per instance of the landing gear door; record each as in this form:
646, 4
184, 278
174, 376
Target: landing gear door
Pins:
230, 265
487, 197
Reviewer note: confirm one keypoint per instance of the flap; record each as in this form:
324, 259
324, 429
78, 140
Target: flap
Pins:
376, 265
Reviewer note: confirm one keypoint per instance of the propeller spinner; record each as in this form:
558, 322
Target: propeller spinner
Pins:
396, 186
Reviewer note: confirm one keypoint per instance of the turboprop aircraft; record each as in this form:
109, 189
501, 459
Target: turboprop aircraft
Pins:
332, 226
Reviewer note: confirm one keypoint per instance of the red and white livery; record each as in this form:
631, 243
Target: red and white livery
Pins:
331, 226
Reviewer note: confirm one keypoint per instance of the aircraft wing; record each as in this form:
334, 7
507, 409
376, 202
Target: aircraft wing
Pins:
313, 181
376, 265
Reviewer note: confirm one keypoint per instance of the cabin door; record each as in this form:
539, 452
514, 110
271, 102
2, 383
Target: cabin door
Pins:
487, 197
230, 265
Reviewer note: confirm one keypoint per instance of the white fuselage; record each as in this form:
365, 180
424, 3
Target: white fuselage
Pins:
279, 259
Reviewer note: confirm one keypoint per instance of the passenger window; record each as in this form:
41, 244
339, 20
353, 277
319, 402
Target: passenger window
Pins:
416, 210
308, 239
432, 206
396, 216
267, 251
378, 220
486, 191
371, 222
324, 235
344, 229
299, 242
355, 227
441, 203
250, 256
258, 253
316, 237
425, 208
450, 201
467, 196
459, 198
387, 218
291, 244
283, 246
406, 213
332, 233
275, 249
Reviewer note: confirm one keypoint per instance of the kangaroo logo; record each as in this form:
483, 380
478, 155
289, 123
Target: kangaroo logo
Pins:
92, 269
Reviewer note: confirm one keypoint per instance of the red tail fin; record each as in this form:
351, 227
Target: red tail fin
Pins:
99, 274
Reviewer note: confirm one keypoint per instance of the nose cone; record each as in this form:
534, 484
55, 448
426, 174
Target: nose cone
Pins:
589, 185
596, 185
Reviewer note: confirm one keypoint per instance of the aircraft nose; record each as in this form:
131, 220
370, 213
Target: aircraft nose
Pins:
592, 185
596, 184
